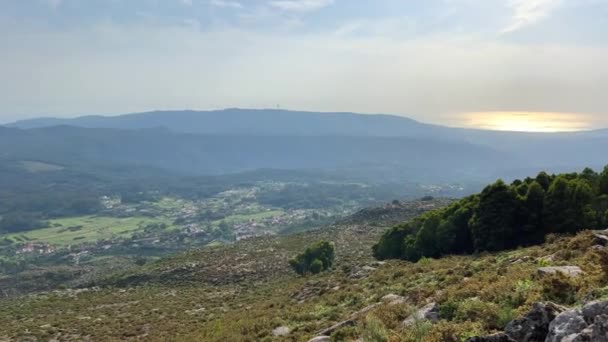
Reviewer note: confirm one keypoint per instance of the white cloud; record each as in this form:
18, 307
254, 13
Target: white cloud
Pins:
300, 5
529, 12
187, 2
226, 3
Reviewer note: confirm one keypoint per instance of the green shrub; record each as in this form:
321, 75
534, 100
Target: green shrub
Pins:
374, 330
560, 288
316, 258
478, 311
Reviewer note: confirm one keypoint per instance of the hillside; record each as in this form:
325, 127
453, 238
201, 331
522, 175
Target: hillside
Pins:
246, 292
394, 158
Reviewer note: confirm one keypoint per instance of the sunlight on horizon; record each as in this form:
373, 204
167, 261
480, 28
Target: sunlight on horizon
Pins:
528, 121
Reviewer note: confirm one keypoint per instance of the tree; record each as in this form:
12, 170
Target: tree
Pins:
544, 180
604, 181
316, 258
492, 225
533, 229
568, 206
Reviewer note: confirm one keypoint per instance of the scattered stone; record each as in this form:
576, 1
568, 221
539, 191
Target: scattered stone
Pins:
361, 272
281, 331
499, 337
571, 271
393, 298
601, 237
548, 258
319, 339
534, 326
429, 312
566, 326
525, 258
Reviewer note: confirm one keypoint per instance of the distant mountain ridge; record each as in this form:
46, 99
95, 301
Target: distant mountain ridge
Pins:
253, 122
236, 140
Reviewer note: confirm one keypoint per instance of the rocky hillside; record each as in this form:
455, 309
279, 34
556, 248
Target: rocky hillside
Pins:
246, 292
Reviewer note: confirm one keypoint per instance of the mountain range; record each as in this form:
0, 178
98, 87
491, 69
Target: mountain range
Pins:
235, 140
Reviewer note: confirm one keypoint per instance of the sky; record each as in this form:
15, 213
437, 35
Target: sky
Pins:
499, 64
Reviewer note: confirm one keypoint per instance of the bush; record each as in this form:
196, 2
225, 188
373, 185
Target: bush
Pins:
560, 288
316, 258
478, 311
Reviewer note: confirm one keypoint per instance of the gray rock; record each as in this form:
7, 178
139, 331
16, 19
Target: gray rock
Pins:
599, 330
566, 326
534, 326
593, 309
281, 331
500, 337
319, 339
595, 332
601, 238
429, 312
393, 299
571, 271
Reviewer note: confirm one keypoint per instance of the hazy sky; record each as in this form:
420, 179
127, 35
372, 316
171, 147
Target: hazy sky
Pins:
455, 62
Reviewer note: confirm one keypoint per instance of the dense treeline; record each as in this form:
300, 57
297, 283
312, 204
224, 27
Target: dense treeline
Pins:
503, 216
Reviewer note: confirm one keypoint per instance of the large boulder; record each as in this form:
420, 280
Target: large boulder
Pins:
595, 332
429, 312
566, 326
571, 271
594, 309
534, 326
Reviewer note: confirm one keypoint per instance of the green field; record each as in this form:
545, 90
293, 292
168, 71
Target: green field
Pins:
85, 229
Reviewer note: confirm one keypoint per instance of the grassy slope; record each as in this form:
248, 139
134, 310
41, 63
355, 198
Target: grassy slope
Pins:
242, 292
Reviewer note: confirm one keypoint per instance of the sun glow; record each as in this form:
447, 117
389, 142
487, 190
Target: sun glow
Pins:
528, 121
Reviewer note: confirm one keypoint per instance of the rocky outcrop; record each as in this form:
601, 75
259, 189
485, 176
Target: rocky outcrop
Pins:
429, 312
549, 322
566, 326
571, 271
534, 326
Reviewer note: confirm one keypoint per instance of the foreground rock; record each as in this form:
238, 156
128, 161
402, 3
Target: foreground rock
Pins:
534, 326
549, 322
566, 326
